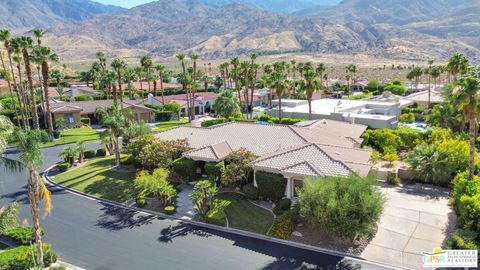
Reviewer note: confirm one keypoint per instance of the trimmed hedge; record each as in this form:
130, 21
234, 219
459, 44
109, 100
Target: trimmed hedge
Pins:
270, 186
185, 168
85, 121
214, 170
164, 116
101, 152
89, 153
276, 120
22, 257
462, 239
250, 191
140, 201
169, 210
283, 226
285, 204
63, 167
83, 98
22, 235
213, 122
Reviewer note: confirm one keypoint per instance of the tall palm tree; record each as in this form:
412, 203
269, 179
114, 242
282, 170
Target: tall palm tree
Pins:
435, 72
278, 81
161, 70
310, 85
102, 61
129, 75
140, 73
6, 75
428, 71
31, 158
194, 58
467, 96
146, 63
181, 57
119, 66
320, 70
38, 33
16, 49
116, 121
458, 64
45, 55
58, 75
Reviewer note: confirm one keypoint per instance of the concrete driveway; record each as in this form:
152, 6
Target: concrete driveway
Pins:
416, 219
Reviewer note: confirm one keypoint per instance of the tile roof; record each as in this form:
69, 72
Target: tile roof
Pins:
422, 96
214, 152
182, 97
66, 109
89, 107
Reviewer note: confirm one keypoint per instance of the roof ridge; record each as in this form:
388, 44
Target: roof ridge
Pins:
332, 158
283, 151
298, 134
313, 167
344, 147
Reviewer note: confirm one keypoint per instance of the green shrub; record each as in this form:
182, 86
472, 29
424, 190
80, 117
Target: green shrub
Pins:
469, 212
214, 170
140, 201
169, 210
185, 168
101, 152
22, 257
85, 121
346, 207
462, 239
41, 135
63, 167
164, 116
285, 204
250, 191
393, 179
407, 118
22, 235
276, 120
89, 153
83, 98
217, 215
213, 122
270, 186
462, 186
283, 226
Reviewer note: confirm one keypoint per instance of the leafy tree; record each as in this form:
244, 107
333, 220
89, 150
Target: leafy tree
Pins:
203, 195
238, 168
157, 184
396, 87
226, 105
374, 86
134, 130
347, 207
69, 154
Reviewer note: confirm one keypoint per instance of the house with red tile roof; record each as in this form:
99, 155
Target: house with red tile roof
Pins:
314, 148
203, 101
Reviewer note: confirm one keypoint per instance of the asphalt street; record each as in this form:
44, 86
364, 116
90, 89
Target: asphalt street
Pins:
94, 235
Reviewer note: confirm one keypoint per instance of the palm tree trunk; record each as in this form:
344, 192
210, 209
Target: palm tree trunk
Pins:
10, 89
280, 108
34, 200
309, 109
28, 69
117, 151
120, 91
45, 72
26, 121
472, 131
161, 88
42, 99
429, 80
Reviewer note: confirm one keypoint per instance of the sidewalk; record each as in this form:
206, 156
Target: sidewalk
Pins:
185, 208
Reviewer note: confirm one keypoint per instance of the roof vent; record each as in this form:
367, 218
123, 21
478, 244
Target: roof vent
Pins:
337, 153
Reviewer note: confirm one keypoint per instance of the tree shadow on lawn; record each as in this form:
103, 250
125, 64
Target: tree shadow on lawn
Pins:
116, 218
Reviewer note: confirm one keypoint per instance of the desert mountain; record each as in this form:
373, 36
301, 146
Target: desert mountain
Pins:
44, 13
414, 29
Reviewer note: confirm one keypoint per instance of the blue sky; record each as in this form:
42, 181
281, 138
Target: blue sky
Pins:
123, 3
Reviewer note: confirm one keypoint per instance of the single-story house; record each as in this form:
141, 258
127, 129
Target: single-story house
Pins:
374, 114
73, 111
421, 98
203, 101
312, 148
144, 85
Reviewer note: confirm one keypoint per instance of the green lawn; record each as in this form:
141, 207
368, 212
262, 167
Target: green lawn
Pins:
244, 215
96, 178
75, 135
169, 125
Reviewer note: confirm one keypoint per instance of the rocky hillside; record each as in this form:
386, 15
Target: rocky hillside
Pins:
27, 14
404, 29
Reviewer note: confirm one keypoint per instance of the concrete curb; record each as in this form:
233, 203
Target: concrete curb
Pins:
52, 183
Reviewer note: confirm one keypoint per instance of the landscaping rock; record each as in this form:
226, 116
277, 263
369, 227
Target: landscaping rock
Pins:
297, 234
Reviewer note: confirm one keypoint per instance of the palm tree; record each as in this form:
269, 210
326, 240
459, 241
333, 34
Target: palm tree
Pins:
194, 58
435, 72
458, 64
16, 48
181, 58
115, 120
428, 71
146, 63
38, 33
278, 81
119, 66
58, 76
310, 85
226, 105
161, 69
320, 70
45, 55
6, 75
129, 75
139, 75
467, 96
31, 158
102, 61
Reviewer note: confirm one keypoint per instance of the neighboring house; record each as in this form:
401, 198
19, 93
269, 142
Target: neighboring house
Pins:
421, 98
72, 92
387, 96
144, 85
203, 101
73, 111
370, 113
313, 148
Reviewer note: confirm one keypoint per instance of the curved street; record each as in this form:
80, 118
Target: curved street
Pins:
93, 235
